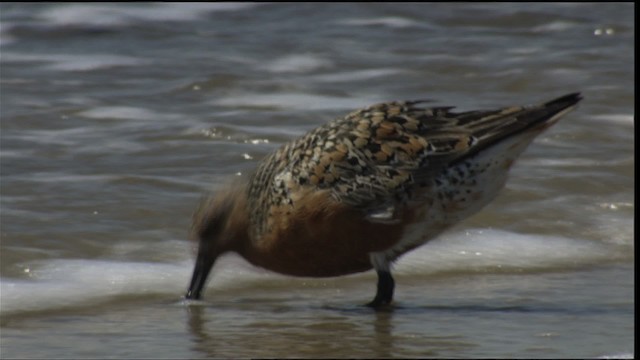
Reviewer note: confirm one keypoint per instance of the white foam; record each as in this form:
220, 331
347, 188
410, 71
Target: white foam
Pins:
124, 112
388, 21
70, 282
82, 139
15, 154
613, 227
297, 63
63, 177
119, 14
357, 75
63, 283
57, 137
93, 62
559, 162
618, 356
66, 62
555, 26
527, 50
294, 101
623, 119
496, 249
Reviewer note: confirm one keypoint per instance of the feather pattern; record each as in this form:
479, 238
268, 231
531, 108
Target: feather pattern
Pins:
374, 159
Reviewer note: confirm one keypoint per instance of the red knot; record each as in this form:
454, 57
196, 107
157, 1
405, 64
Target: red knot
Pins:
358, 192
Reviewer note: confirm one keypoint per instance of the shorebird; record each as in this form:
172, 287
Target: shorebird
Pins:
358, 192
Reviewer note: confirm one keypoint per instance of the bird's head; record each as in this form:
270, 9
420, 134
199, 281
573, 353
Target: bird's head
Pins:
220, 225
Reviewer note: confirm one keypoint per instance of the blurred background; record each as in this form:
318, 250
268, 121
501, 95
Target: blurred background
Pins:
117, 118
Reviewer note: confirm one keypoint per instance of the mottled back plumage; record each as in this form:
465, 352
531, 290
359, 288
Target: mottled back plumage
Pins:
373, 159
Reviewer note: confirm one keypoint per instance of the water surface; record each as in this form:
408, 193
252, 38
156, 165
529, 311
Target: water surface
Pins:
116, 118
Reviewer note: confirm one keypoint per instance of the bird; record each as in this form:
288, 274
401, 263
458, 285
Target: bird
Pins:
358, 192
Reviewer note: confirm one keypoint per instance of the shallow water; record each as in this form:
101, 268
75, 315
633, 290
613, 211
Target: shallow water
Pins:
116, 118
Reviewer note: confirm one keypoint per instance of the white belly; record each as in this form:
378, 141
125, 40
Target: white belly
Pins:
459, 192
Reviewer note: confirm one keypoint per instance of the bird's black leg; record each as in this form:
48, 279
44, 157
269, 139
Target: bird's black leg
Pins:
384, 295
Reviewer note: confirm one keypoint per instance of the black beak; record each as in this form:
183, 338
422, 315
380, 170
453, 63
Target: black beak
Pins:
199, 278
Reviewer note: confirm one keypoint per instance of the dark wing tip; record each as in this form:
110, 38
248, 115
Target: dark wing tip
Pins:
565, 101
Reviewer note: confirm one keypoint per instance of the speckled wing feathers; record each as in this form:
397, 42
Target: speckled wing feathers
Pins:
373, 159
367, 159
